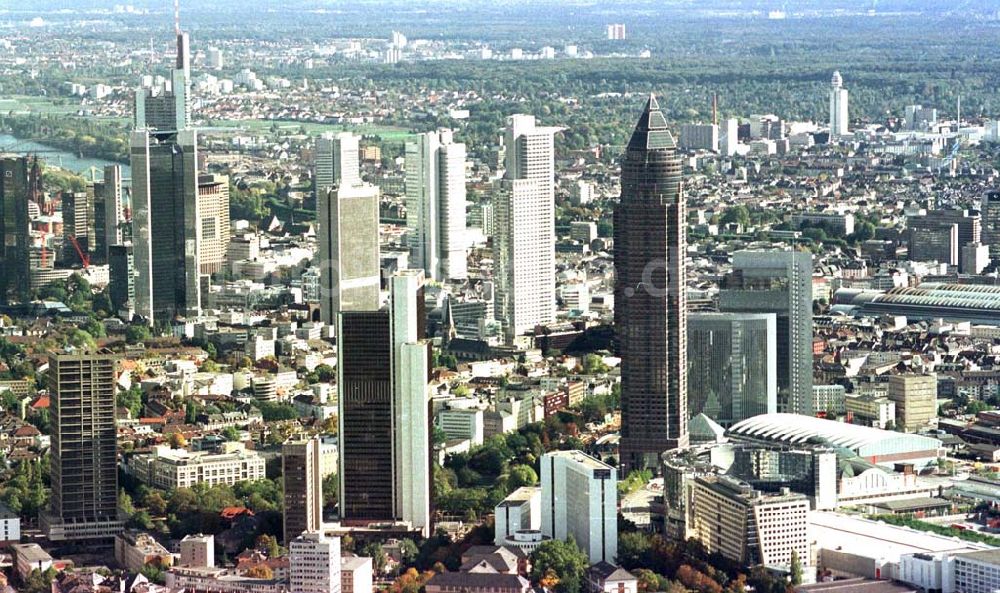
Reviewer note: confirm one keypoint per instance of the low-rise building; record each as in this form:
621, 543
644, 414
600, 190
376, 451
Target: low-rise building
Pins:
355, 574
168, 468
135, 549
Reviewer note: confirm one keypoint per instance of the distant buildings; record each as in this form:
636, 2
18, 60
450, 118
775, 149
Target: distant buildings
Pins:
348, 233
84, 447
838, 108
383, 372
732, 365
524, 228
699, 137
314, 563
302, 482
616, 31
779, 282
580, 500
650, 294
435, 205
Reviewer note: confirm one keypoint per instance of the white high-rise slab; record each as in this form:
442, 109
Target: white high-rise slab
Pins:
838, 107
314, 563
580, 500
524, 233
435, 205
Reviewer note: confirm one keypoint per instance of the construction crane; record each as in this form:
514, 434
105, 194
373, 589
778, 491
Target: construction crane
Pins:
83, 258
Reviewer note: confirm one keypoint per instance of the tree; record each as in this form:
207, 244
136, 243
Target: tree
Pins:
260, 571
633, 550
177, 440
136, 333
379, 558
408, 551
231, 433
593, 365
411, 581
521, 475
269, 545
564, 559
796, 568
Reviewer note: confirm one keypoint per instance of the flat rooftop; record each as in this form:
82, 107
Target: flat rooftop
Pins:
989, 556
875, 539
856, 586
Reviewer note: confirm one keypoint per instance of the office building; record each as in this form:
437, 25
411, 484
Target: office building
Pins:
435, 205
580, 500
356, 574
121, 274
314, 563
215, 58
749, 527
974, 258
14, 223
938, 237
838, 108
732, 365
78, 223
198, 550
348, 232
213, 212
829, 399
699, 137
870, 410
167, 468
84, 501
919, 118
915, 396
168, 107
778, 282
520, 511
165, 223
616, 31
990, 210
383, 372
524, 233
974, 572
336, 162
650, 228
109, 219
835, 223
729, 136
302, 481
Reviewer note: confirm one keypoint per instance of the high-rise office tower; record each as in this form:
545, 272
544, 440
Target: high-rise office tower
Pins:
121, 279
931, 238
580, 500
729, 136
990, 210
778, 282
650, 294
84, 447
524, 233
314, 563
108, 213
383, 371
347, 234
78, 226
14, 186
732, 365
435, 205
838, 107
213, 212
165, 224
303, 486
336, 161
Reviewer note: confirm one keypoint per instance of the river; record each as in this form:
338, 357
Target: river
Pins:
60, 158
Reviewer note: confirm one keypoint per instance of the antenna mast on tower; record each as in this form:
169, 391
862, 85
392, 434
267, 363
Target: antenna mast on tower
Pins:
177, 17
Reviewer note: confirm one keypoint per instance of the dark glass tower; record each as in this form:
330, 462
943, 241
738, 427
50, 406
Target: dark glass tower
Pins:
14, 189
650, 298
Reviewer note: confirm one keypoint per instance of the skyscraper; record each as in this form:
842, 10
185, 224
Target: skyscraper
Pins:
435, 205
580, 500
108, 214
732, 365
383, 371
166, 224
337, 162
348, 235
78, 226
990, 210
302, 482
524, 233
650, 294
213, 213
14, 224
84, 447
838, 107
778, 282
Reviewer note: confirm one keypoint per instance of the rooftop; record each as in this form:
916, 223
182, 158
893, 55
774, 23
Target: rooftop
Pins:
795, 428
